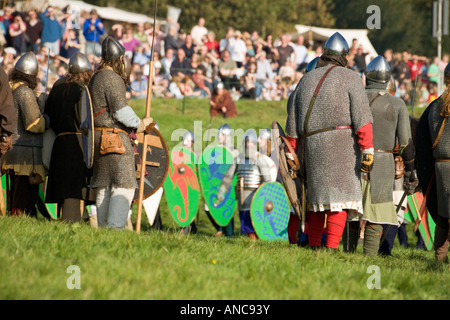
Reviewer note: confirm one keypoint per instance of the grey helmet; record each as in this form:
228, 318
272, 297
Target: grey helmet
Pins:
379, 70
447, 71
225, 130
265, 134
79, 63
312, 65
112, 49
336, 45
250, 137
28, 64
188, 137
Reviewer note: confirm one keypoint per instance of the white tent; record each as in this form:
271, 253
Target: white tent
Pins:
322, 34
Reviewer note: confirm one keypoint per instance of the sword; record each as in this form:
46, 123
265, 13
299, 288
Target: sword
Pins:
146, 141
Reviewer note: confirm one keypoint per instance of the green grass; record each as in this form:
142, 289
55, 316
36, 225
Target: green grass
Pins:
167, 265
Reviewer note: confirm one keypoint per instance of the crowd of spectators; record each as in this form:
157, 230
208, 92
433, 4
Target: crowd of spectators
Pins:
192, 64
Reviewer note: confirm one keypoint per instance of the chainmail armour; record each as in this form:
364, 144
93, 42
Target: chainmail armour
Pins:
441, 152
111, 170
333, 158
390, 121
27, 146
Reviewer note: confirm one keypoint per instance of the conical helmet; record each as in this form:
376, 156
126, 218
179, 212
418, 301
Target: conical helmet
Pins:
188, 138
112, 49
378, 70
28, 64
265, 134
225, 130
79, 63
336, 45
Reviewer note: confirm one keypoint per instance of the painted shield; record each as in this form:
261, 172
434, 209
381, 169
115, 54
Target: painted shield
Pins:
270, 212
292, 183
47, 209
87, 128
427, 226
151, 205
181, 187
212, 168
157, 164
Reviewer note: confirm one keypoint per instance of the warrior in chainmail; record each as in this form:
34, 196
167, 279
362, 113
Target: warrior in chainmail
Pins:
24, 161
224, 138
252, 171
8, 114
391, 126
68, 177
433, 133
330, 124
114, 174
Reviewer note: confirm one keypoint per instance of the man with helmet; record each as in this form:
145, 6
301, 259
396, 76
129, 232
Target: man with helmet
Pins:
114, 173
391, 125
24, 161
433, 134
330, 125
252, 171
69, 177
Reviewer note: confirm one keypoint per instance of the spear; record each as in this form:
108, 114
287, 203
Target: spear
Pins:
146, 142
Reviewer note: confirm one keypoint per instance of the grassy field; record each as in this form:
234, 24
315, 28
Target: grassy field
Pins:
165, 265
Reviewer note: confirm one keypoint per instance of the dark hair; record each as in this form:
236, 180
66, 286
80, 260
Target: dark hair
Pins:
118, 67
83, 77
30, 81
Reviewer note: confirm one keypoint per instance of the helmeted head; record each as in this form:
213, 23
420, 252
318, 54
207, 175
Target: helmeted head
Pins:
188, 139
379, 70
264, 141
336, 45
79, 63
224, 133
249, 143
312, 65
112, 49
28, 64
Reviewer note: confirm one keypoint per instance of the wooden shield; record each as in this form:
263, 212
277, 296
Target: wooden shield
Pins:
181, 187
270, 212
151, 205
87, 128
291, 183
157, 164
214, 164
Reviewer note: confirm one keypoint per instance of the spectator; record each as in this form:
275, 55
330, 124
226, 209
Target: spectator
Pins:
300, 51
170, 41
167, 62
72, 44
8, 57
117, 31
239, 49
227, 70
415, 64
200, 81
250, 49
250, 83
433, 71
51, 30
227, 43
181, 66
142, 54
198, 32
140, 33
195, 61
285, 78
360, 60
268, 47
285, 51
17, 32
222, 103
34, 31
264, 71
139, 86
388, 55
211, 42
93, 29
7, 19
129, 42
188, 47
159, 36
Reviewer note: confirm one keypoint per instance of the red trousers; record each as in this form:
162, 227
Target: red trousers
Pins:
335, 224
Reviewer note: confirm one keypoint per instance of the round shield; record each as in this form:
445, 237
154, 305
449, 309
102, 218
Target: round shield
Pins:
157, 164
270, 212
214, 164
181, 187
87, 128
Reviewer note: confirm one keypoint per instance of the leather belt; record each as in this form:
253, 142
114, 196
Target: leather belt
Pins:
68, 133
442, 160
325, 130
115, 130
384, 151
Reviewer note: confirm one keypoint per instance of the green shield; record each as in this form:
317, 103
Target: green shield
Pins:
427, 227
181, 186
270, 211
214, 164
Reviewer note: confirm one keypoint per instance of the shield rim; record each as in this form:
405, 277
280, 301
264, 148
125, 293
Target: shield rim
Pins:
201, 184
91, 137
160, 185
288, 215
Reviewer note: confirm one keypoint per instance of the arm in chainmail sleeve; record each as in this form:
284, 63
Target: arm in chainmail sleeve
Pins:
406, 144
33, 120
8, 115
